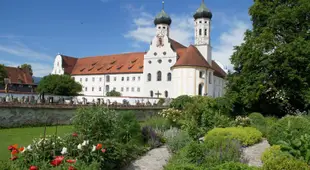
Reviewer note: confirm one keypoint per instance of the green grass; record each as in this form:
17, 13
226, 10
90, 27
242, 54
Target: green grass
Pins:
24, 136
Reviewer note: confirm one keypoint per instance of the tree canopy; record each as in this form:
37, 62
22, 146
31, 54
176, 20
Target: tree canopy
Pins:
59, 85
27, 66
3, 74
272, 66
113, 93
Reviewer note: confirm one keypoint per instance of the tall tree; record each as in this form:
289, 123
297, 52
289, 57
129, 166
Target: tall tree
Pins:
59, 85
27, 66
3, 74
272, 66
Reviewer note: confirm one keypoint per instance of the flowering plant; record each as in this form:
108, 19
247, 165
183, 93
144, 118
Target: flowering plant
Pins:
242, 121
171, 114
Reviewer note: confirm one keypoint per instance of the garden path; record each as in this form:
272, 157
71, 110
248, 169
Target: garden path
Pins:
253, 153
155, 159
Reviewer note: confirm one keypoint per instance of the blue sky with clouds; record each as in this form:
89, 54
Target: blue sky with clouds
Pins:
34, 31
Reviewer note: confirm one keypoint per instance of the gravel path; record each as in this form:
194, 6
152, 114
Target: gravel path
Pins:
155, 159
253, 153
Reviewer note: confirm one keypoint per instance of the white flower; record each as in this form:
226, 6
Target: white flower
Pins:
29, 147
64, 150
79, 147
94, 148
85, 143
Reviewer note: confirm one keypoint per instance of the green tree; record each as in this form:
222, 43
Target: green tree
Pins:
271, 68
3, 74
113, 93
27, 66
59, 85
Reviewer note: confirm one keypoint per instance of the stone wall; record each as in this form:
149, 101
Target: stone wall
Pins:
41, 115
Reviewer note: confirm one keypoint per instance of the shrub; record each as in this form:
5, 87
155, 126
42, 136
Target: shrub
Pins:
242, 121
128, 128
258, 121
208, 154
176, 139
173, 115
272, 152
180, 102
157, 122
234, 166
96, 123
297, 124
184, 166
113, 93
246, 135
151, 137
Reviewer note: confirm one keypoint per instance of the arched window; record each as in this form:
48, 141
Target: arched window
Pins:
166, 94
151, 93
200, 31
107, 88
149, 77
158, 75
107, 78
169, 77
205, 31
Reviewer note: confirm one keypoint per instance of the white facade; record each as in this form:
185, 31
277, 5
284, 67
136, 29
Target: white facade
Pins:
159, 77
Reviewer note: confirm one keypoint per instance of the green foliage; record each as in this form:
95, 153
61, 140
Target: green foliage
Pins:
203, 114
113, 93
27, 67
128, 128
207, 155
152, 138
176, 139
246, 135
96, 123
59, 85
157, 122
183, 166
271, 66
242, 121
3, 74
234, 166
180, 102
173, 115
161, 101
259, 122
297, 125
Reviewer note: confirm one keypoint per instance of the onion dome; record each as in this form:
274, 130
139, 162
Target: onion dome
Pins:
203, 12
162, 18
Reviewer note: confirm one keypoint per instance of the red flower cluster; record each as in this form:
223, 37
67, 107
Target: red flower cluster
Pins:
14, 151
33, 168
74, 134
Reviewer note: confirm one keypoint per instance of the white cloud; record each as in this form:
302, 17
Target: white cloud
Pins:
20, 49
227, 40
39, 69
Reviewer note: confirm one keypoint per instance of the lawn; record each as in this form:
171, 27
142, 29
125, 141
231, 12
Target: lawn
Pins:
24, 136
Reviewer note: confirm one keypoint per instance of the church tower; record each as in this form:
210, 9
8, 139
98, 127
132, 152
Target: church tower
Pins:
202, 20
162, 22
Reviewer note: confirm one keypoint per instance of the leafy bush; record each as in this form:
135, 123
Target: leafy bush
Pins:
151, 137
173, 115
128, 128
96, 123
298, 125
176, 139
113, 93
234, 166
246, 135
242, 121
180, 102
157, 122
184, 166
272, 152
208, 154
259, 122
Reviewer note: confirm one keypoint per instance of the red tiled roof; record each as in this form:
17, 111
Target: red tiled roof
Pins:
191, 57
19, 75
68, 63
176, 45
113, 64
218, 71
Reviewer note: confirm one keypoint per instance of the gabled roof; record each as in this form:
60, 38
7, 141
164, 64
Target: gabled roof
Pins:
190, 56
68, 63
218, 71
113, 64
19, 75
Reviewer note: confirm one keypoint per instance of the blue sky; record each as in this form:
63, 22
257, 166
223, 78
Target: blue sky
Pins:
34, 31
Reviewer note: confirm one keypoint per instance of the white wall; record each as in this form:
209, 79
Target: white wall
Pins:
219, 86
152, 65
57, 68
126, 84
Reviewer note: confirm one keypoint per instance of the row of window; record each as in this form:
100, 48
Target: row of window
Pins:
158, 94
201, 75
114, 78
159, 76
205, 33
107, 88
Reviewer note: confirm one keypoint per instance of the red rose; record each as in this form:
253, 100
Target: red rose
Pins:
103, 150
71, 161
74, 134
33, 168
99, 146
57, 161
71, 168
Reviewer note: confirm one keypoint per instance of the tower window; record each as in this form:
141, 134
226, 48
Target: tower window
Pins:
149, 77
205, 31
159, 27
164, 27
159, 76
199, 21
200, 31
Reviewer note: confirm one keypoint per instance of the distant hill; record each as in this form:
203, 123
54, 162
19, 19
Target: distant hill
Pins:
36, 79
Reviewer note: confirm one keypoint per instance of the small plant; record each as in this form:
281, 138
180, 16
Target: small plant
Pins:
151, 137
242, 121
176, 139
171, 114
246, 135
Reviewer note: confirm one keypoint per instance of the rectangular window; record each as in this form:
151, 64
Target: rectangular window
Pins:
127, 88
122, 78
93, 78
92, 89
139, 78
100, 79
80, 79
210, 78
99, 88
127, 78
86, 79
132, 89
122, 89
85, 88
133, 78
115, 78
138, 89
200, 31
114, 88
205, 32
